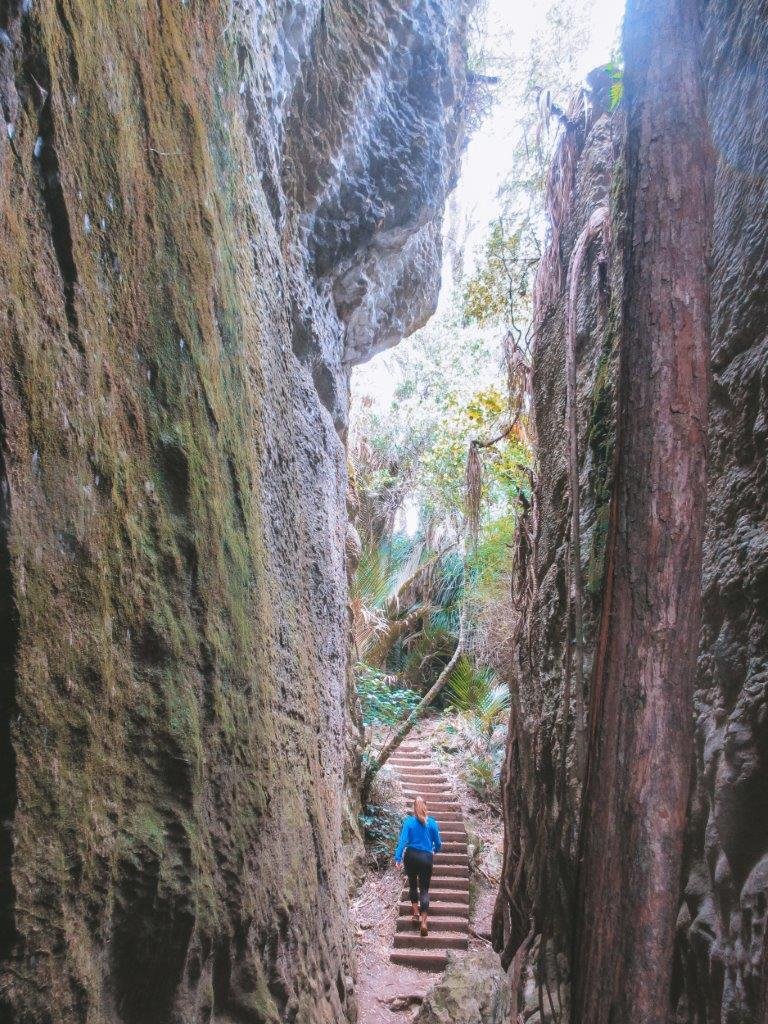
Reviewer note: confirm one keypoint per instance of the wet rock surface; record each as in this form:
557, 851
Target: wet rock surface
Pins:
208, 212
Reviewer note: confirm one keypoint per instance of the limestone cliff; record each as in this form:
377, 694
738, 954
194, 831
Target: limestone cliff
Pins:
723, 923
539, 779
721, 959
208, 211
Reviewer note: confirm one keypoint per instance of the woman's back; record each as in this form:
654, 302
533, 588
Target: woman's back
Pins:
417, 835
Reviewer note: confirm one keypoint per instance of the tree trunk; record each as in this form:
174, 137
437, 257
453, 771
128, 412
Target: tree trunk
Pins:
641, 714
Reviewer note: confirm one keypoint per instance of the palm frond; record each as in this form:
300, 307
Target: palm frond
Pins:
479, 698
373, 578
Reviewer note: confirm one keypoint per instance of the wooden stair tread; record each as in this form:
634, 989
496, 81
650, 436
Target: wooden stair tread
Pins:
422, 960
441, 940
440, 908
437, 923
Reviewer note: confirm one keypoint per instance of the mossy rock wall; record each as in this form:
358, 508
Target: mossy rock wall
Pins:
173, 395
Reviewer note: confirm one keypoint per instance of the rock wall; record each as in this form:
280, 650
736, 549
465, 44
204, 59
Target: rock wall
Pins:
721, 959
723, 923
208, 211
540, 779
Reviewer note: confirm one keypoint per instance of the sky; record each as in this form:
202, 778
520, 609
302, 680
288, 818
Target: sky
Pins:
512, 26
487, 158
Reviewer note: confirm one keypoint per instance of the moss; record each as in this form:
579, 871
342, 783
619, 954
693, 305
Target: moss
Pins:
152, 683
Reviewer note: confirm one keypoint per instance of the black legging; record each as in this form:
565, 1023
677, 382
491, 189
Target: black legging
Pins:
418, 867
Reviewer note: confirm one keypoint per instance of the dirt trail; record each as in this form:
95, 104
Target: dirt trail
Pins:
391, 992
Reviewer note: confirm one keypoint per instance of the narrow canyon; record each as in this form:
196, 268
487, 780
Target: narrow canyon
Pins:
211, 211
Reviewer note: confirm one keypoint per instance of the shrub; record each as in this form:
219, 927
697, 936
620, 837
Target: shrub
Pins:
381, 827
382, 703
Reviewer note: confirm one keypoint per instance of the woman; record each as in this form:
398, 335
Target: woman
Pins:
419, 841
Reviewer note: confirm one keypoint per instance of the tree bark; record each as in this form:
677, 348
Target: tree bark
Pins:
641, 711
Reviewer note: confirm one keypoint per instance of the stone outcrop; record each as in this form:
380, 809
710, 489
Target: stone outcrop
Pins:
208, 212
723, 923
721, 959
541, 792
473, 990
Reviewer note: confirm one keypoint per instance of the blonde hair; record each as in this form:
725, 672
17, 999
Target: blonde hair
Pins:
420, 809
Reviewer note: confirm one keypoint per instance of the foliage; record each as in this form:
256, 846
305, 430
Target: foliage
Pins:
480, 698
539, 83
616, 71
381, 827
416, 574
409, 457
482, 775
382, 702
499, 293
488, 562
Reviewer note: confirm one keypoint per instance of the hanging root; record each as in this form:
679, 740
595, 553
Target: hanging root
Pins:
595, 226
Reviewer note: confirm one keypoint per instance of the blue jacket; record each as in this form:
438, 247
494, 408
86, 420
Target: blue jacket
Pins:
418, 837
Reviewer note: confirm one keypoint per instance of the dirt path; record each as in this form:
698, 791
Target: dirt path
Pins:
375, 910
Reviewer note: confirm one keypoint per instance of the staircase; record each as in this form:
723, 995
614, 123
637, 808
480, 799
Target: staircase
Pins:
449, 890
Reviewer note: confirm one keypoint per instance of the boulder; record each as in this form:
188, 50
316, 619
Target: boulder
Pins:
473, 990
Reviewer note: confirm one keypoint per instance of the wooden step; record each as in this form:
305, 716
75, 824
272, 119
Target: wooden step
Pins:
422, 961
434, 798
442, 923
433, 789
444, 857
444, 894
447, 882
443, 807
443, 870
413, 779
441, 792
440, 907
441, 940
